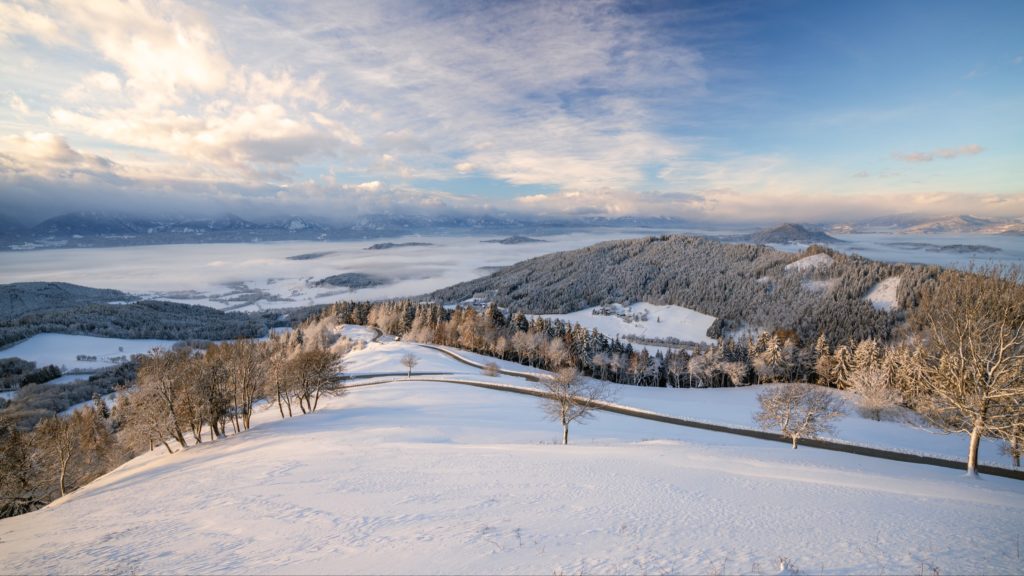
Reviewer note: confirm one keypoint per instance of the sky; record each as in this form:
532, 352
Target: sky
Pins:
710, 112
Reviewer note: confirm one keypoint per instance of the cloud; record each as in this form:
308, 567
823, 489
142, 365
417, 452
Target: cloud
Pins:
95, 86
613, 203
16, 20
42, 153
19, 106
943, 153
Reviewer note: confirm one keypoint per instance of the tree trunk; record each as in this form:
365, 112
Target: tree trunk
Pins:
63, 473
168, 446
180, 437
972, 453
795, 438
279, 406
565, 433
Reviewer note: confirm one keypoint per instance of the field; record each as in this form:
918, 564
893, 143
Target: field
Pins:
643, 320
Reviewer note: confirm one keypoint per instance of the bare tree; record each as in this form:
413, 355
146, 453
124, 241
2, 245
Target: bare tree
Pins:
160, 382
875, 393
315, 373
58, 443
971, 360
277, 384
571, 397
798, 410
246, 362
19, 490
74, 448
491, 369
410, 361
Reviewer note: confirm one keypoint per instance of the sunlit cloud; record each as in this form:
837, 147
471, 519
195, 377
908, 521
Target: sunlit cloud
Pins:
19, 106
941, 153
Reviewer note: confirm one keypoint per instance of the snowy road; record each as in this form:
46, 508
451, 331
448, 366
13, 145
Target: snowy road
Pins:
848, 448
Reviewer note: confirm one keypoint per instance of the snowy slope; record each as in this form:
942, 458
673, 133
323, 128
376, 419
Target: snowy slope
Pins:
675, 322
726, 406
812, 262
63, 350
417, 477
386, 357
883, 295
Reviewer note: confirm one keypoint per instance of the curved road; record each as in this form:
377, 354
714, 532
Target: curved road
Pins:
626, 411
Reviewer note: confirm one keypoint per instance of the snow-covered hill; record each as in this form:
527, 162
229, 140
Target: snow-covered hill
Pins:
426, 477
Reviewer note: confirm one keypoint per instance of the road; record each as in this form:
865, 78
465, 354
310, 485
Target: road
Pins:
627, 411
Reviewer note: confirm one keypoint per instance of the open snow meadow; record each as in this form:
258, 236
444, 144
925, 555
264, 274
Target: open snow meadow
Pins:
413, 475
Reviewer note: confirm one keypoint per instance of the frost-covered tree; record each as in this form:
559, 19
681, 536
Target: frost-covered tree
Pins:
315, 373
874, 391
571, 397
798, 410
971, 358
410, 361
824, 365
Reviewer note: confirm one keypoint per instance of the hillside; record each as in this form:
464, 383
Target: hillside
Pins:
743, 285
24, 297
32, 308
469, 483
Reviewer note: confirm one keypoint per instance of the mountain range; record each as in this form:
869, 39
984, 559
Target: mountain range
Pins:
99, 229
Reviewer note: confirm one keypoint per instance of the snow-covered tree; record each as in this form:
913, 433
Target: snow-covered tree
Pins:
571, 397
874, 391
971, 358
410, 361
798, 410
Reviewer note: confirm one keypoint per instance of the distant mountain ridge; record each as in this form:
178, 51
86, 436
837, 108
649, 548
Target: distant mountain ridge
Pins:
919, 224
785, 234
99, 229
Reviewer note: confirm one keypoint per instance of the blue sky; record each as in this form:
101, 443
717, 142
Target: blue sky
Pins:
719, 112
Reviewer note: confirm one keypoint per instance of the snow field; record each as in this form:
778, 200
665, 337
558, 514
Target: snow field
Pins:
811, 262
883, 296
727, 406
62, 350
676, 322
386, 358
416, 477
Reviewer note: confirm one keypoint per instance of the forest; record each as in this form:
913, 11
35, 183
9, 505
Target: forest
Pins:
744, 285
143, 319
